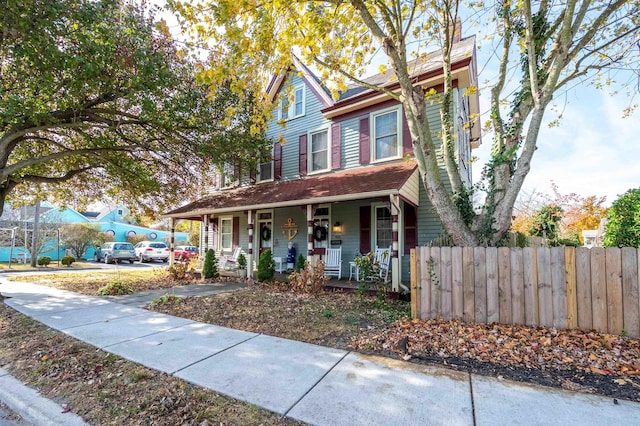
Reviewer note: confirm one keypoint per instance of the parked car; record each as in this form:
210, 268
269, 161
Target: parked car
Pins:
186, 252
146, 251
114, 252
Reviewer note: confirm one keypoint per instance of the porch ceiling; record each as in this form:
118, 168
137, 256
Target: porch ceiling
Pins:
355, 184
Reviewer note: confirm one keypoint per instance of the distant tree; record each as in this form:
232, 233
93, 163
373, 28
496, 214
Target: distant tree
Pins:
97, 100
78, 237
623, 221
546, 223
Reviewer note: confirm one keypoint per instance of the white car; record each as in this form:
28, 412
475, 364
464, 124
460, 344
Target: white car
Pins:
146, 251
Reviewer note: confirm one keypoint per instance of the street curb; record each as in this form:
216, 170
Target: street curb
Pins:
31, 406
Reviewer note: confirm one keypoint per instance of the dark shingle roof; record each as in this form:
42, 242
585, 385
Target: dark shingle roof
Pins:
359, 183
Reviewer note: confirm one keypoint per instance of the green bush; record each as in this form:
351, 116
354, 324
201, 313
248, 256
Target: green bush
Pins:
44, 261
242, 261
300, 263
167, 299
115, 288
210, 267
266, 266
623, 221
67, 260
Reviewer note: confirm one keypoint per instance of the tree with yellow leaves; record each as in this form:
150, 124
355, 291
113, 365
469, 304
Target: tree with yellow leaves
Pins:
554, 46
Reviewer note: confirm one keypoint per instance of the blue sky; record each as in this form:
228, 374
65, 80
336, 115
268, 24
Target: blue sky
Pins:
593, 151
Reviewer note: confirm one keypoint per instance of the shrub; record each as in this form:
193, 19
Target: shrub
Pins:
623, 221
310, 279
167, 299
67, 260
242, 261
180, 271
266, 266
300, 263
44, 261
115, 288
210, 267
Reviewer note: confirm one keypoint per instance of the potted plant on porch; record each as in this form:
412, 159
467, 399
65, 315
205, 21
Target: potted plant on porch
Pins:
242, 266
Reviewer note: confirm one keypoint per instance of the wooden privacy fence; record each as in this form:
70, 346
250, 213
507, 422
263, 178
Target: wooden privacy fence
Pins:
562, 287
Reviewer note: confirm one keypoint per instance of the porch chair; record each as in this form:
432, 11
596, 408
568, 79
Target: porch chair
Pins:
383, 259
333, 263
230, 262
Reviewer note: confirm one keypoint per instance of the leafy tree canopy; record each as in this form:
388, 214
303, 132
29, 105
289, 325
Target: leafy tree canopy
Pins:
97, 101
623, 222
553, 46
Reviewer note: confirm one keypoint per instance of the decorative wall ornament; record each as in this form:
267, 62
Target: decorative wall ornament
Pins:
290, 229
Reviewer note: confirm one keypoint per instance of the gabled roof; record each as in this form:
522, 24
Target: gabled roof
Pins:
352, 184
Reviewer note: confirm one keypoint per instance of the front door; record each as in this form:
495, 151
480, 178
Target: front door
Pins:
265, 228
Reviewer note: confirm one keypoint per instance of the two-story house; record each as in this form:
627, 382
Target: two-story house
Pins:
342, 172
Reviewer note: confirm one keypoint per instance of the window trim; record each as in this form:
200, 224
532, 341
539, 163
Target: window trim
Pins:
272, 162
372, 132
374, 224
221, 219
291, 109
310, 134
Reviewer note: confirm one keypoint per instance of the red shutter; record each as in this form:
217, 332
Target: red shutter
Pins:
407, 147
365, 147
410, 228
277, 161
365, 229
336, 145
236, 231
302, 160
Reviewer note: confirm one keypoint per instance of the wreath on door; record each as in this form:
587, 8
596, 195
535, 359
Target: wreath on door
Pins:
265, 233
320, 233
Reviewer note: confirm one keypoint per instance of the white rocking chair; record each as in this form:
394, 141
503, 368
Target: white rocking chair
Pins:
383, 258
333, 263
230, 262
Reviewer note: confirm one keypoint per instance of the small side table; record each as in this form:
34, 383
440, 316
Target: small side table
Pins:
353, 269
280, 261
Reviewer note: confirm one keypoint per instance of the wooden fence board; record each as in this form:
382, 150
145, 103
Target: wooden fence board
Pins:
545, 295
631, 291
517, 286
504, 285
558, 287
457, 288
613, 265
480, 284
493, 290
530, 279
599, 289
445, 282
436, 283
468, 304
570, 279
425, 286
413, 287
583, 288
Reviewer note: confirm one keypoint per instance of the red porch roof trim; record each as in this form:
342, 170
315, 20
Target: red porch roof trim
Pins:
353, 184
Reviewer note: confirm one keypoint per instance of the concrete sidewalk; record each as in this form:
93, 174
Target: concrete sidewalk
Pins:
318, 385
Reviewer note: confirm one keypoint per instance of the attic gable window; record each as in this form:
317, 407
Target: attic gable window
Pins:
292, 106
385, 132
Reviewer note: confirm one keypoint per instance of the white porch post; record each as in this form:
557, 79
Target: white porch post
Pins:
206, 234
172, 245
310, 257
395, 261
250, 248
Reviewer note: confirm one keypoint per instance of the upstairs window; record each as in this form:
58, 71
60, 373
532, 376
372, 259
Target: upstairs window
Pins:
293, 105
385, 138
265, 171
319, 151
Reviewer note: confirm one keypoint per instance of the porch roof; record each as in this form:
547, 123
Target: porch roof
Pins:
400, 178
